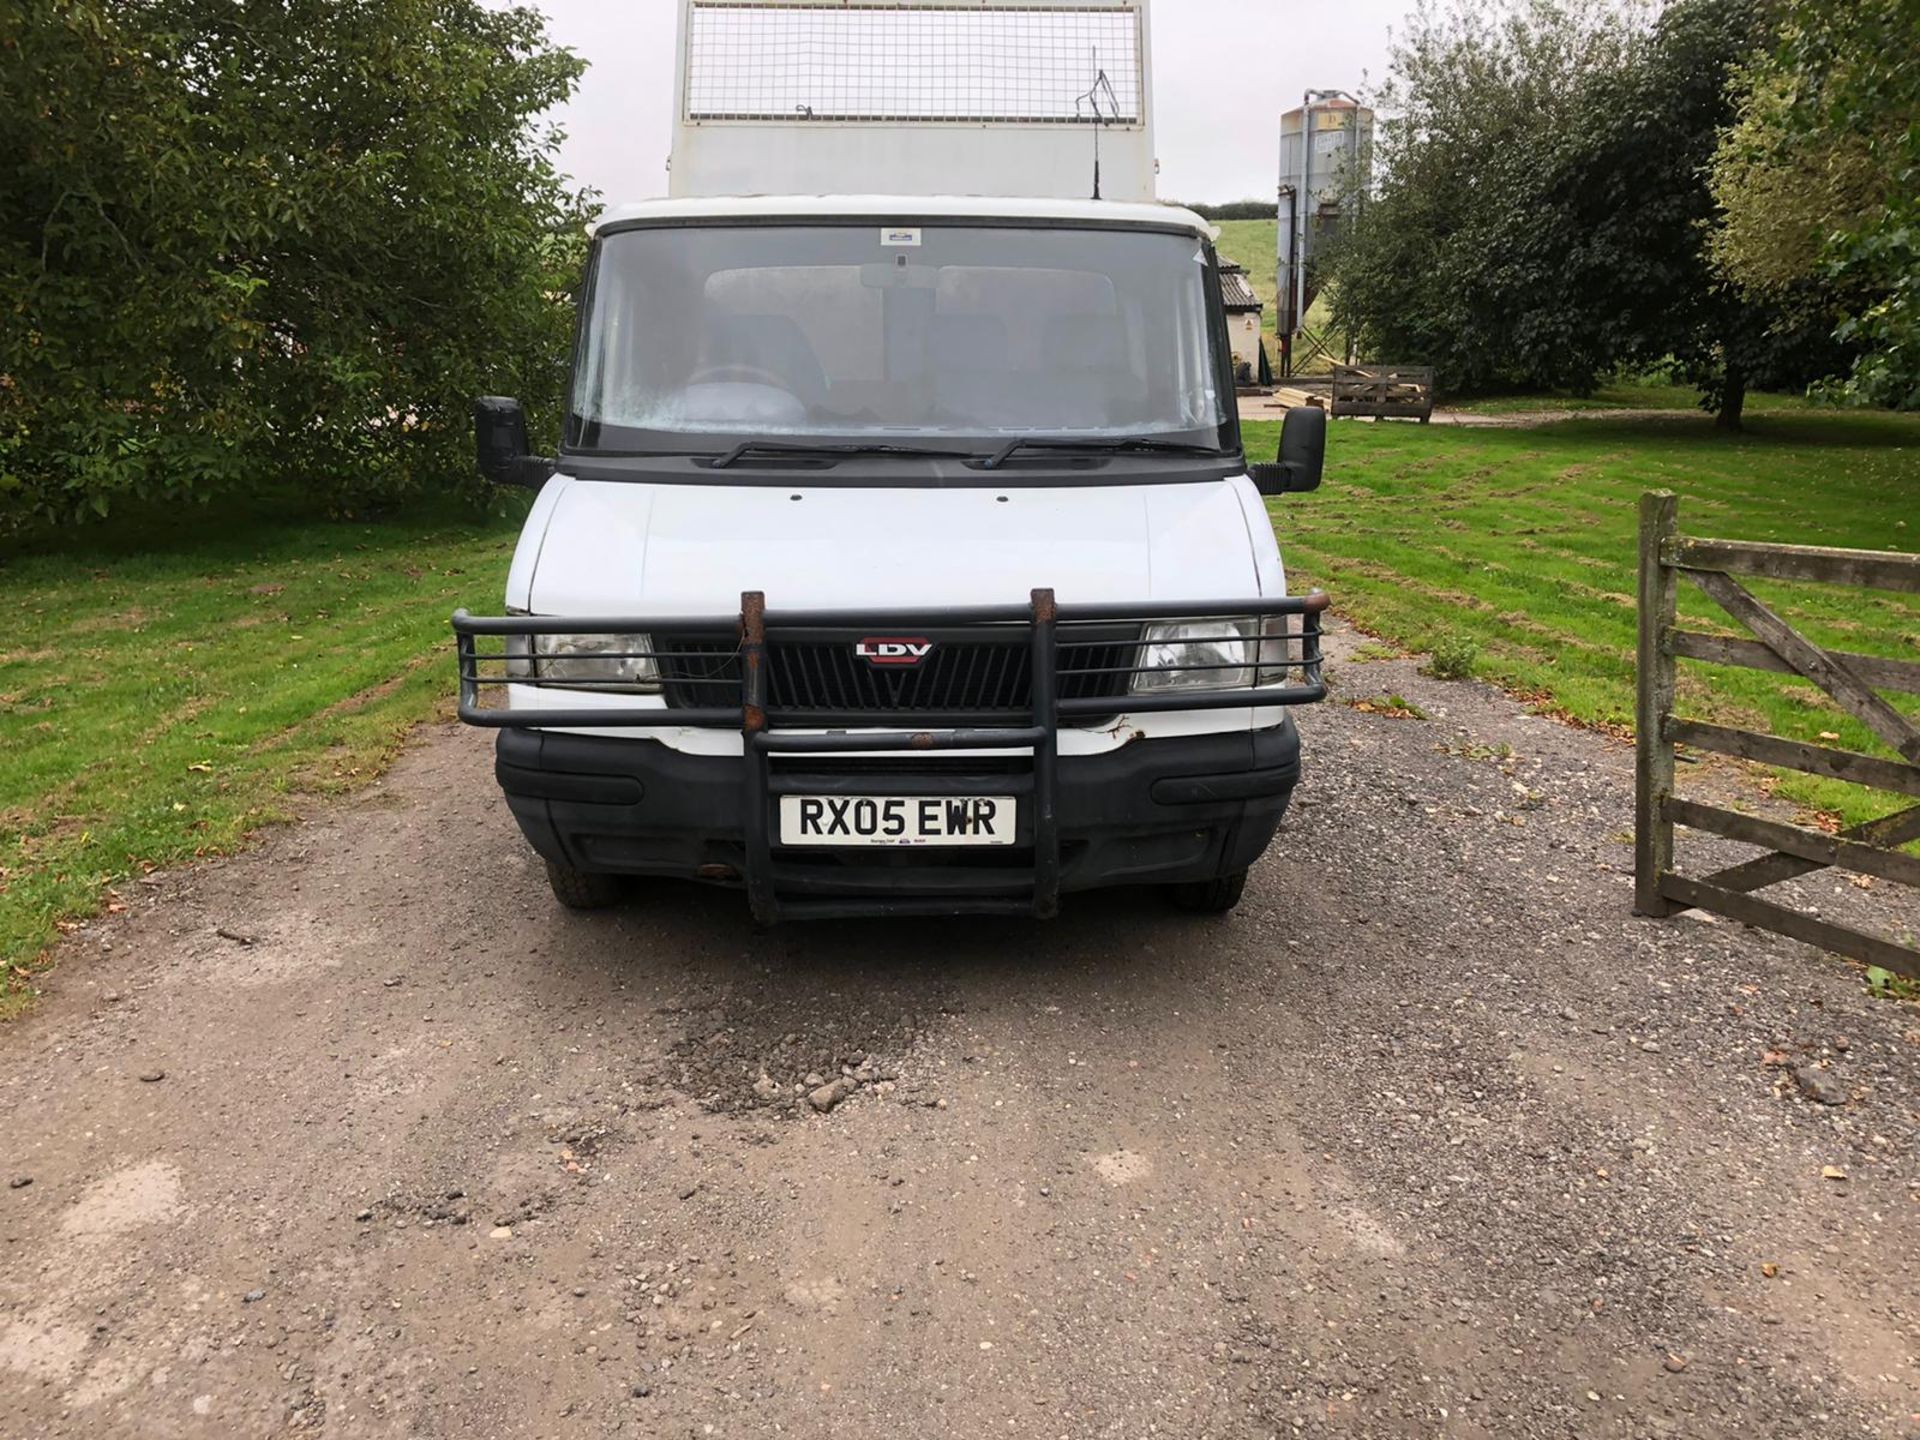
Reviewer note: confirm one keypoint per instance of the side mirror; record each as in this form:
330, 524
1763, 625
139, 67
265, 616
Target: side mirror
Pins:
500, 436
1303, 454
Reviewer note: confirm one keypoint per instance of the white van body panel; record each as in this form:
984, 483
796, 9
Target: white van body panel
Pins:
613, 548
526, 553
609, 548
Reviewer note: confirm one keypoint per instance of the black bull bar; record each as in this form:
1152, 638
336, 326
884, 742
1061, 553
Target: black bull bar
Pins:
739, 678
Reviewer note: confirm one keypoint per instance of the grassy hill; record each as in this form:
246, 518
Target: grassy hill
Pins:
1254, 244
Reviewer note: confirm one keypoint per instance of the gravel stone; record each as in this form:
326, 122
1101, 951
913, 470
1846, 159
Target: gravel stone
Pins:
826, 1097
1819, 1085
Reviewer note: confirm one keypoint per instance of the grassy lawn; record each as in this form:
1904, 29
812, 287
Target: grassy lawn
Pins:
1522, 542
164, 692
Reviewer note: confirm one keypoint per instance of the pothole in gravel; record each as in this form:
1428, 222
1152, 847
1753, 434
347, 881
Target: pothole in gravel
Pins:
802, 1044
1123, 1167
126, 1200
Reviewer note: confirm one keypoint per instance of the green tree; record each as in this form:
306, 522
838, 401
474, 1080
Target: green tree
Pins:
1543, 217
1633, 179
1818, 181
271, 241
1457, 258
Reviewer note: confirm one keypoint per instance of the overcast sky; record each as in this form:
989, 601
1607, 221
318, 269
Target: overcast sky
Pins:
1225, 70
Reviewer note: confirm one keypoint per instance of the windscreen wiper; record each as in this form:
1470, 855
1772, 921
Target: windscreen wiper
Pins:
795, 447
1097, 447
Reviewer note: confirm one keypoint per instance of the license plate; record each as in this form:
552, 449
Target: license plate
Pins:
898, 820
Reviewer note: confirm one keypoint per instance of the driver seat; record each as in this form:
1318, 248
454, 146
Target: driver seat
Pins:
774, 343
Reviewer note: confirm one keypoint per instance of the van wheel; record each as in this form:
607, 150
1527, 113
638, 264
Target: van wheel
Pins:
1210, 897
577, 890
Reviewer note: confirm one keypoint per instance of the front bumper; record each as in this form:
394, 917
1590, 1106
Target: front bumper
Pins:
1152, 812
1172, 809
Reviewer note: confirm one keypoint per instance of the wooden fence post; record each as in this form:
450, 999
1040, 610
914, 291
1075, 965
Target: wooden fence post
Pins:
1653, 692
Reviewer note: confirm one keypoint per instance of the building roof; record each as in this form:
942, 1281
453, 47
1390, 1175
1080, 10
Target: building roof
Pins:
900, 208
1236, 291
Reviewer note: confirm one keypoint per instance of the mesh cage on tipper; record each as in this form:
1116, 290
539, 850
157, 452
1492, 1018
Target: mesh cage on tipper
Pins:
902, 68
913, 62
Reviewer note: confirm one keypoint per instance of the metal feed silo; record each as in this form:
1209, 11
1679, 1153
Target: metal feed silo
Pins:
1326, 148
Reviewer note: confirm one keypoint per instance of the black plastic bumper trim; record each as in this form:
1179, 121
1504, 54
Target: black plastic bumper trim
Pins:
1152, 811
1208, 789
591, 789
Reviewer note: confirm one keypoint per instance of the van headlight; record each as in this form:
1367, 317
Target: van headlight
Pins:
1225, 654
622, 663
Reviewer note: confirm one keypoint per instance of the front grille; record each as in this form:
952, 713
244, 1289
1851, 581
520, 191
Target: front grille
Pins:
973, 677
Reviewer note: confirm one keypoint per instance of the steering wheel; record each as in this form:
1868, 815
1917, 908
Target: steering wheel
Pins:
739, 371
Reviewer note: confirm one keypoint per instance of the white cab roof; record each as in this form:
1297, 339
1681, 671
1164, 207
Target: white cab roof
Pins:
916, 207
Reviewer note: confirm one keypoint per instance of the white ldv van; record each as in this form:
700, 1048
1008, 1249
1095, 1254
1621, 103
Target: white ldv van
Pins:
900, 557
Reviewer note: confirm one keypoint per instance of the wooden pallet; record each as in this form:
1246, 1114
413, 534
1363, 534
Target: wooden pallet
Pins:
1384, 391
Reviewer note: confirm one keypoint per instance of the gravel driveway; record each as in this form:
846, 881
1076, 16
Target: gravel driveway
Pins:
360, 1135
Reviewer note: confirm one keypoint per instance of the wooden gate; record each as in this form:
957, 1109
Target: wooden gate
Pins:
1853, 682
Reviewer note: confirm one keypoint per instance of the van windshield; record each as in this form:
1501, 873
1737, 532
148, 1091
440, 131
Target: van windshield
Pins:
947, 333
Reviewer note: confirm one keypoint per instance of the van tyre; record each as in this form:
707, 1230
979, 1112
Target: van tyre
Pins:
577, 890
1210, 897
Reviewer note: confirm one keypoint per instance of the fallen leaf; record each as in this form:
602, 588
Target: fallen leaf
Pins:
1832, 1172
201, 767
1769, 1270
1829, 734
1861, 882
